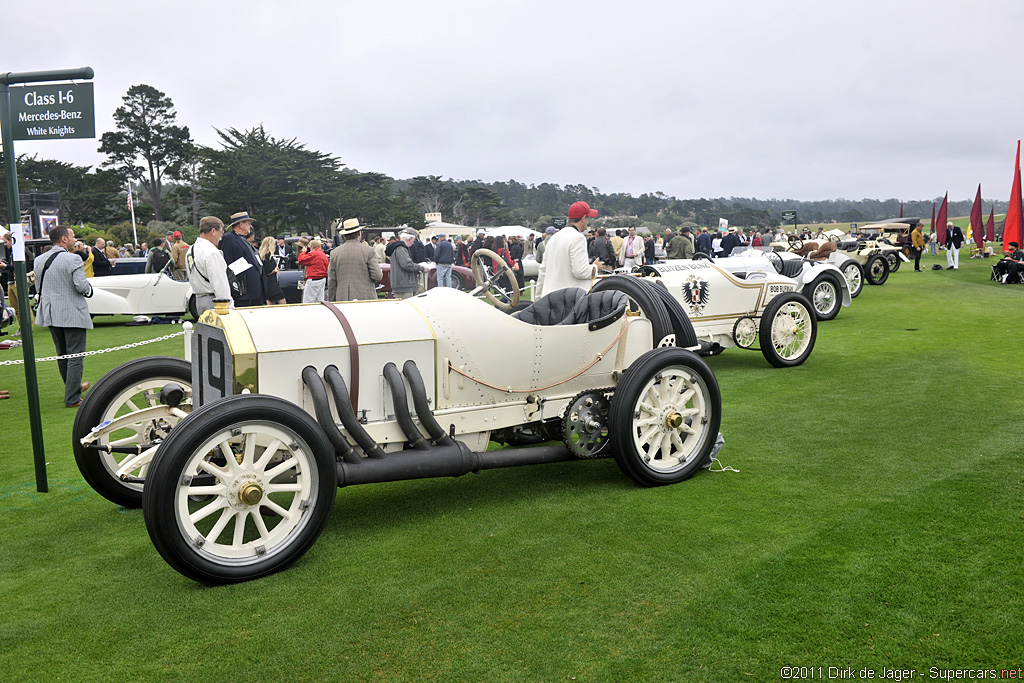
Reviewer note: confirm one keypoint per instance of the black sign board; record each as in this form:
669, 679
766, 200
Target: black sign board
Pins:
558, 222
52, 112
788, 215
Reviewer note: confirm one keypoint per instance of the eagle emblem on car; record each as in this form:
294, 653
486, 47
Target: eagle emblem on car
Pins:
695, 293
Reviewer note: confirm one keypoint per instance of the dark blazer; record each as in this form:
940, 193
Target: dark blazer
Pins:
234, 247
954, 237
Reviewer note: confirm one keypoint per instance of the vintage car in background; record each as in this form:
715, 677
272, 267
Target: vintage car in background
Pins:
825, 286
142, 294
236, 455
877, 257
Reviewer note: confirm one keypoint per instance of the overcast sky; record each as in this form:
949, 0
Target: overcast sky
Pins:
800, 99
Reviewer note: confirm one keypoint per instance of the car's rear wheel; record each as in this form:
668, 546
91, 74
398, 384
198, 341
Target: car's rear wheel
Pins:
876, 271
664, 417
126, 389
458, 282
854, 274
788, 330
826, 295
193, 309
241, 489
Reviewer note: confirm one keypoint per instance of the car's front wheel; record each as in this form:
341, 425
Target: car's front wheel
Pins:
664, 416
240, 489
788, 330
877, 270
893, 258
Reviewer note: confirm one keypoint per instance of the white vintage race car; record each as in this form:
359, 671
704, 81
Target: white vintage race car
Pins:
142, 294
235, 456
748, 302
825, 285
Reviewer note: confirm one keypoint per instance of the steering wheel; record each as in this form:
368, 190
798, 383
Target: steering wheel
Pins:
700, 255
775, 259
834, 238
796, 245
487, 280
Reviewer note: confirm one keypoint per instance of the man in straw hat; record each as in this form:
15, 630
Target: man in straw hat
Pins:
244, 262
354, 270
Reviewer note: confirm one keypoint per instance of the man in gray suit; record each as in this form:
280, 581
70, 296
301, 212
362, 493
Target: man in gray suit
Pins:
61, 289
354, 270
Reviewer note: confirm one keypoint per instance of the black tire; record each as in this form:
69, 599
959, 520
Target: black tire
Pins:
788, 330
854, 274
193, 309
458, 282
645, 299
685, 335
639, 449
876, 270
826, 295
107, 400
894, 260
188, 542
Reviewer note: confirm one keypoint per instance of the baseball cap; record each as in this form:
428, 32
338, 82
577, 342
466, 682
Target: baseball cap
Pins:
581, 209
177, 234
550, 230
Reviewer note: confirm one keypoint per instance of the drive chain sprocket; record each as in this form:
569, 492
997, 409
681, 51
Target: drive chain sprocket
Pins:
585, 424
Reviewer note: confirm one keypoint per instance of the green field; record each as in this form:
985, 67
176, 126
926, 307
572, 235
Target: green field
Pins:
875, 521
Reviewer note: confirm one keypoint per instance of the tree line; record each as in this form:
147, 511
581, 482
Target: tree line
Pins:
293, 189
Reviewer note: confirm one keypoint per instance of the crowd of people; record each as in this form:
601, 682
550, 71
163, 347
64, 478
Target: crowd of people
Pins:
228, 264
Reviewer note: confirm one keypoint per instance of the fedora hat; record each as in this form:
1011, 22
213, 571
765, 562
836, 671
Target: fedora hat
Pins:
239, 218
350, 226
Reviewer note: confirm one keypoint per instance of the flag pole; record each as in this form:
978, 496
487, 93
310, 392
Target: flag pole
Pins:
131, 205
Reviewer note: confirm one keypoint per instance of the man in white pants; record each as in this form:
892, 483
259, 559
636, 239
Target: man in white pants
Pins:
954, 240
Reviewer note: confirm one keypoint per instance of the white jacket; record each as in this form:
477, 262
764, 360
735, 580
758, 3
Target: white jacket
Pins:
566, 263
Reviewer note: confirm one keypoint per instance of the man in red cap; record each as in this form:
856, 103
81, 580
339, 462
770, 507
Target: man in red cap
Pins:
178, 250
566, 263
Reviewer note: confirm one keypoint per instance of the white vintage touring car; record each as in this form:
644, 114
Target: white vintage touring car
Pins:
141, 294
235, 456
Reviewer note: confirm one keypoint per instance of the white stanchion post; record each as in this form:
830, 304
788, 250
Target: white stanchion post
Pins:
187, 326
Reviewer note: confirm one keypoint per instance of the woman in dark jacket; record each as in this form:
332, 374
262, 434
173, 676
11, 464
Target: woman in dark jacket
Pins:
275, 295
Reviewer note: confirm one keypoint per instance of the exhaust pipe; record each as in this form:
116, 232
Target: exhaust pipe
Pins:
445, 461
423, 412
322, 407
348, 417
402, 413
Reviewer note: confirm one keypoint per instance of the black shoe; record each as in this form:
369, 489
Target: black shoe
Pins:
949, 267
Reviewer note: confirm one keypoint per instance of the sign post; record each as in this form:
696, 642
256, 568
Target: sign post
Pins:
60, 118
790, 216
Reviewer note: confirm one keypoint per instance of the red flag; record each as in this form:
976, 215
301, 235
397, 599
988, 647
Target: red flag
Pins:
943, 210
976, 218
934, 234
1014, 214
990, 227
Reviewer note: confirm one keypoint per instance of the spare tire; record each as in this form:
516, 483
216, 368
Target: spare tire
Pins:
645, 299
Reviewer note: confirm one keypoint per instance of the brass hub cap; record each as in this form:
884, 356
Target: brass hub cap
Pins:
673, 420
250, 493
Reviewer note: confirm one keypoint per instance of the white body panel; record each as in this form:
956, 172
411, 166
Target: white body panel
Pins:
482, 369
147, 294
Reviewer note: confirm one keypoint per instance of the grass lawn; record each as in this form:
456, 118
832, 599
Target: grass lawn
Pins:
875, 521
